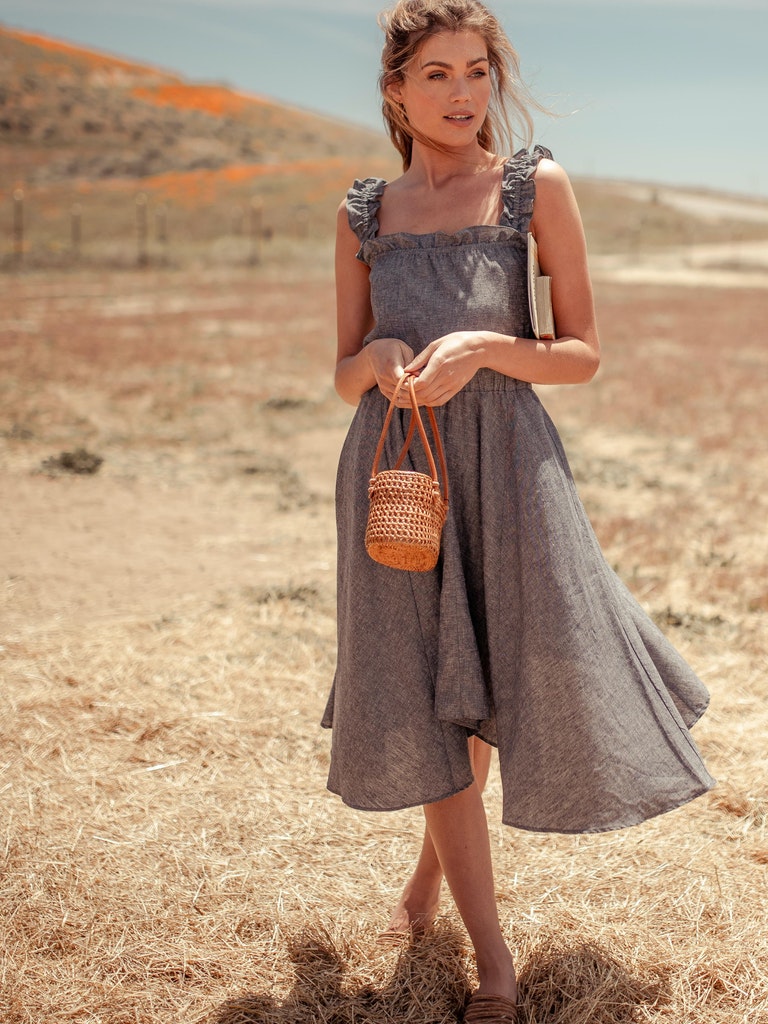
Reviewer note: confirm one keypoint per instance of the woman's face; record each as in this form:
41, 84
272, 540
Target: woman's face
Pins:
446, 88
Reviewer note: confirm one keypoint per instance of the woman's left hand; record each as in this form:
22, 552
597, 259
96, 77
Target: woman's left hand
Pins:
445, 366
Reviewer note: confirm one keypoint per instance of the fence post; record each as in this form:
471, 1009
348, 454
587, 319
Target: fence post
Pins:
76, 217
141, 229
161, 230
255, 229
18, 225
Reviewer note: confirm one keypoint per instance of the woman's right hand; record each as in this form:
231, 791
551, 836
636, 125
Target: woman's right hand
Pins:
387, 357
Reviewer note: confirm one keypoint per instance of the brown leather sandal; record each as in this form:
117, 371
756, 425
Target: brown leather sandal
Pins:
485, 1009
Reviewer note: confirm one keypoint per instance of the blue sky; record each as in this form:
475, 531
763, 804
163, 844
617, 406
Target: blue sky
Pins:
671, 91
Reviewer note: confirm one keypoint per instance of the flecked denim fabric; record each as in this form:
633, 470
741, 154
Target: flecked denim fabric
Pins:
522, 634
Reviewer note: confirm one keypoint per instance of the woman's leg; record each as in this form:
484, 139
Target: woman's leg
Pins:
420, 900
480, 759
421, 897
459, 831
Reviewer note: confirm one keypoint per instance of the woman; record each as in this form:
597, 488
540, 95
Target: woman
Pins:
522, 637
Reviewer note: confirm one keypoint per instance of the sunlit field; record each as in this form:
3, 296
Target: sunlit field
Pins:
168, 442
169, 852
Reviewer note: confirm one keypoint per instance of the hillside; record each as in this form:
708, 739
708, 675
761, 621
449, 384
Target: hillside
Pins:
67, 112
112, 161
109, 161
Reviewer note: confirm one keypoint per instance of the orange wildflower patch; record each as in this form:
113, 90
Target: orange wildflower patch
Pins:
210, 99
191, 188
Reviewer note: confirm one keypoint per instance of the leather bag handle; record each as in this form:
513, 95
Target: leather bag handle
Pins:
416, 423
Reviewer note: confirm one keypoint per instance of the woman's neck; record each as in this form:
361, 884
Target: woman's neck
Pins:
431, 168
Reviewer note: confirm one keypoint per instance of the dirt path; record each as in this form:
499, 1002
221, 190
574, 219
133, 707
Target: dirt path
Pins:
728, 265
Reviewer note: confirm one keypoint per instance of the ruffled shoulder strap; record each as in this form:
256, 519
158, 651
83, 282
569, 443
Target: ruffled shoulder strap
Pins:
363, 201
518, 188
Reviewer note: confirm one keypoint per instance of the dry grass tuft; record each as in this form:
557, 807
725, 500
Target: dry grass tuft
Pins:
583, 982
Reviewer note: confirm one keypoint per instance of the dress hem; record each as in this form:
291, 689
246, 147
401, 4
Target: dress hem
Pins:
398, 807
542, 829
630, 823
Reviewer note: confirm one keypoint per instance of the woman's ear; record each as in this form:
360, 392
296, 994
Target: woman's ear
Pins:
394, 92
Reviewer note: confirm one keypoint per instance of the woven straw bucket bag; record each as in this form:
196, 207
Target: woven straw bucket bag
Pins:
407, 509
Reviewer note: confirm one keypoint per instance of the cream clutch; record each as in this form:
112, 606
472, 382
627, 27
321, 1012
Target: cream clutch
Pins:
539, 295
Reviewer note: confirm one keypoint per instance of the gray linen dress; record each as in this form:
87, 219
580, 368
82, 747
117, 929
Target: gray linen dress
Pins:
522, 634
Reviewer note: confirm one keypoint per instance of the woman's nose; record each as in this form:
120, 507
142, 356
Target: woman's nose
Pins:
459, 91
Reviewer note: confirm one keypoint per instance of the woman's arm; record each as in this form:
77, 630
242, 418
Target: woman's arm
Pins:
381, 362
574, 356
556, 224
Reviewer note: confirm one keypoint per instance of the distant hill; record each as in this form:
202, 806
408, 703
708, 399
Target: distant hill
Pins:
85, 136
105, 154
68, 112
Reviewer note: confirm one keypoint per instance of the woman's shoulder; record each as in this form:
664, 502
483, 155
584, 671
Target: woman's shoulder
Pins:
552, 182
520, 183
556, 202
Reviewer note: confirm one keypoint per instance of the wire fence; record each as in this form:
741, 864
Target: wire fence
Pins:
139, 232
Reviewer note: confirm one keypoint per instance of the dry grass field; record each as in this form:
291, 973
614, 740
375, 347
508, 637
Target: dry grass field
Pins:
168, 442
169, 852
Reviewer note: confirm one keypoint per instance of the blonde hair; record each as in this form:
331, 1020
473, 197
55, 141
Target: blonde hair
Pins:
408, 24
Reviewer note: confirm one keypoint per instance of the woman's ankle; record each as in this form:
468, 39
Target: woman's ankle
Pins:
496, 974
421, 894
